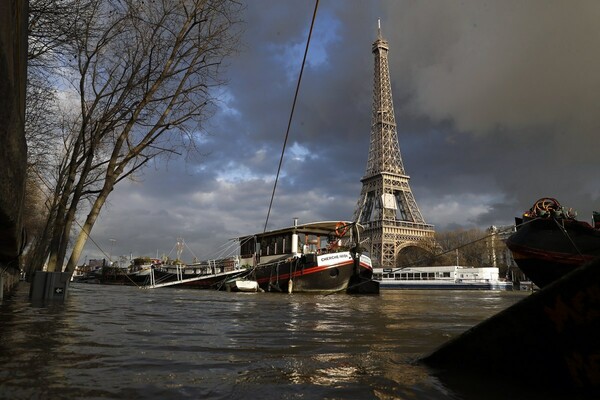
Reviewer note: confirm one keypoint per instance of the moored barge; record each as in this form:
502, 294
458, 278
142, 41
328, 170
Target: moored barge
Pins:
320, 256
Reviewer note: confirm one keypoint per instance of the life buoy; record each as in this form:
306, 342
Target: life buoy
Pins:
340, 229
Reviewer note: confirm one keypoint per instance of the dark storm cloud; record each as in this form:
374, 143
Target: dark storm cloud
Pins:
495, 104
517, 84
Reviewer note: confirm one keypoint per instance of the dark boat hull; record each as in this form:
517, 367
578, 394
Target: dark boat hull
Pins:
111, 276
546, 249
311, 274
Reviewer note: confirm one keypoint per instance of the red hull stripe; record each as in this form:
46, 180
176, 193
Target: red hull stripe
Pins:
316, 268
523, 252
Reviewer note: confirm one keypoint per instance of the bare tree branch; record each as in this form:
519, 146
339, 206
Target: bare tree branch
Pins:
144, 73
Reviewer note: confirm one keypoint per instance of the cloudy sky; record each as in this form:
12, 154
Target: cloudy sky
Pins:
497, 104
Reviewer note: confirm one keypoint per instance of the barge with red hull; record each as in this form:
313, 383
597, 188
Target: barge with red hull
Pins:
550, 242
310, 258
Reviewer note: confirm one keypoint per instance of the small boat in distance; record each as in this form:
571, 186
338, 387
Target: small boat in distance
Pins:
136, 273
550, 242
441, 277
315, 257
209, 274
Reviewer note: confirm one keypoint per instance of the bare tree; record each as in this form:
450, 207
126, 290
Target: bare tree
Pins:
50, 30
52, 25
463, 247
144, 73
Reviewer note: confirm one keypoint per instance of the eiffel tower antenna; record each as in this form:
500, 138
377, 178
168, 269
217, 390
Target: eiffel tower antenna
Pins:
386, 207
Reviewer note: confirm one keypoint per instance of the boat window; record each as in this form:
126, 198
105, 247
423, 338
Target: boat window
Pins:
268, 245
247, 248
279, 245
287, 244
263, 247
446, 274
312, 241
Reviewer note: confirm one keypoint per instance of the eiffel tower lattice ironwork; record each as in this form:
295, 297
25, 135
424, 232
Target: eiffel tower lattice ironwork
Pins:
386, 207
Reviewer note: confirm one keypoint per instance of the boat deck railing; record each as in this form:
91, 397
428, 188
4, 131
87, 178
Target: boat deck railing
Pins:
180, 280
200, 270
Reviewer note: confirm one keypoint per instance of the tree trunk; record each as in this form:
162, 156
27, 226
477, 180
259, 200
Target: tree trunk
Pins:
39, 252
76, 199
87, 227
54, 263
41, 248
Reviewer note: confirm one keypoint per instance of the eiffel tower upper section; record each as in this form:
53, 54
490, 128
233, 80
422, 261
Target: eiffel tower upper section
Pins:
384, 150
386, 195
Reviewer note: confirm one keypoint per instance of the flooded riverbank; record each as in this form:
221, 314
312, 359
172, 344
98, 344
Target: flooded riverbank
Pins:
124, 342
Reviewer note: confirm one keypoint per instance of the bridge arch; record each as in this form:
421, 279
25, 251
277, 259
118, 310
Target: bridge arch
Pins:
415, 254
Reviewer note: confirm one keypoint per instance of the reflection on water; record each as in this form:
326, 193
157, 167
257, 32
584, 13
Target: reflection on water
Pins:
122, 342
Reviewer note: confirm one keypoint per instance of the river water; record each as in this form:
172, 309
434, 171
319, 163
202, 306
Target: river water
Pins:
124, 342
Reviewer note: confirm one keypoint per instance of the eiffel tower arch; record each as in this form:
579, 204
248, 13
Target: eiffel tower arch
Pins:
386, 207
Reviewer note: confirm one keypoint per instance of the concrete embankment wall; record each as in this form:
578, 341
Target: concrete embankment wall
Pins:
13, 151
549, 340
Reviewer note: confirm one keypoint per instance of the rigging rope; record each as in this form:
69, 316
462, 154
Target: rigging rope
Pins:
564, 232
419, 261
292, 112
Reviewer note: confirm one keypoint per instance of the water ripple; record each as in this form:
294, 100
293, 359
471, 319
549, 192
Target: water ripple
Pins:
123, 342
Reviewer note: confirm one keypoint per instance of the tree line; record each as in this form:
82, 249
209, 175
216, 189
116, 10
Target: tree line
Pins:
466, 247
112, 85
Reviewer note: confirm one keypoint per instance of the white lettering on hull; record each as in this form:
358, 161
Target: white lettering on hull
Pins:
331, 259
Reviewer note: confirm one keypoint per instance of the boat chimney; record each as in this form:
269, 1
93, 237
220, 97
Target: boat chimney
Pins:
295, 237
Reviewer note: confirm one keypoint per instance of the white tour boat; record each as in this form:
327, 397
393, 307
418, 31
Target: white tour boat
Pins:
441, 277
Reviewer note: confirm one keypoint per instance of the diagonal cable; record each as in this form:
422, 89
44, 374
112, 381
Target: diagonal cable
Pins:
292, 112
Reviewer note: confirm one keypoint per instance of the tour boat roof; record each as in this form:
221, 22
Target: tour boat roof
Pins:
314, 228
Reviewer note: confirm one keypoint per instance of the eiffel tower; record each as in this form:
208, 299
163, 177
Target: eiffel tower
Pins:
386, 207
